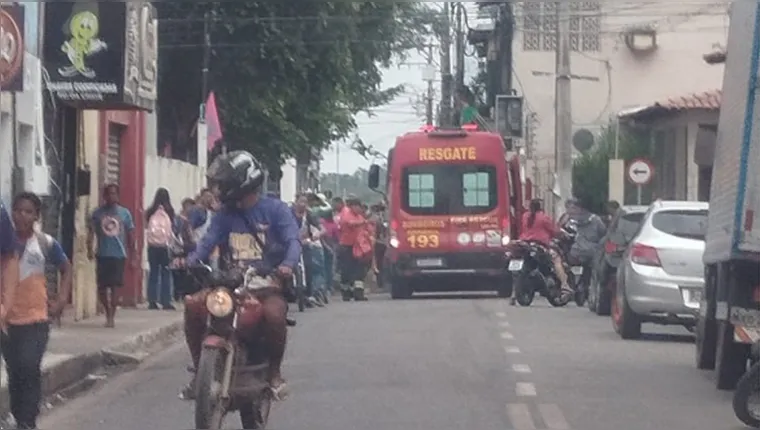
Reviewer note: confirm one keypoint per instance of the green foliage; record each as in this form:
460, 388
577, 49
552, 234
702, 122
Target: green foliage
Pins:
356, 184
591, 170
289, 76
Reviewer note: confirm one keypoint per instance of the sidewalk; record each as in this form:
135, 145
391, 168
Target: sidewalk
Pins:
77, 349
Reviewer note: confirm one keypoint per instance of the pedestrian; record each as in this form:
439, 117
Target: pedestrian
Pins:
8, 264
113, 226
161, 225
352, 226
312, 250
330, 242
381, 242
184, 283
26, 336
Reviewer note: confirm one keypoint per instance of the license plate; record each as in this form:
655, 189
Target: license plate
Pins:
515, 265
577, 270
430, 262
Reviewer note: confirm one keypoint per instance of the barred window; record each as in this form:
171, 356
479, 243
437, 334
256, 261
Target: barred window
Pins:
540, 26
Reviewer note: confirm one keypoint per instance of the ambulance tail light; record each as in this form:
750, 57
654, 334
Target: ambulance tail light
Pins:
393, 241
505, 232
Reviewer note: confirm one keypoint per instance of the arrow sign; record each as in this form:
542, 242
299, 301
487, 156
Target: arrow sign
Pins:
640, 171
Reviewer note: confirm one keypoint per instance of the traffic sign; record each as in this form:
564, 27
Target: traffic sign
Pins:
640, 171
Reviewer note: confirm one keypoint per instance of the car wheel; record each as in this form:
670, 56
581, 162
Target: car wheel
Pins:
625, 322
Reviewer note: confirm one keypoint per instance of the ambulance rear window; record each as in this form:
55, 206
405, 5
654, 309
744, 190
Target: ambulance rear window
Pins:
449, 189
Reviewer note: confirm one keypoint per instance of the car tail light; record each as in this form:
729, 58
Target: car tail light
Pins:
645, 255
610, 247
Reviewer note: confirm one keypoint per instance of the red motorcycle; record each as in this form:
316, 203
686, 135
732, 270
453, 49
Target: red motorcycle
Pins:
232, 373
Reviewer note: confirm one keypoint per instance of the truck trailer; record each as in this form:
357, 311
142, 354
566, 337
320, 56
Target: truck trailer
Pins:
729, 316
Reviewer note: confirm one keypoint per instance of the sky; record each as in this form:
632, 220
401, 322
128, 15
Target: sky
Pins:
405, 113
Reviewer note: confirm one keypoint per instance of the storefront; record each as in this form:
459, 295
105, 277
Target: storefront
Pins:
102, 56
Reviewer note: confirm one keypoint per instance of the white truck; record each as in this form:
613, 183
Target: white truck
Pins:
729, 317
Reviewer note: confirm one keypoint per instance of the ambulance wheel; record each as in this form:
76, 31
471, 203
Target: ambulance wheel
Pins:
401, 289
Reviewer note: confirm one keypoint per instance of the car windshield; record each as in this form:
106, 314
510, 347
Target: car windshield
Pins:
449, 189
684, 223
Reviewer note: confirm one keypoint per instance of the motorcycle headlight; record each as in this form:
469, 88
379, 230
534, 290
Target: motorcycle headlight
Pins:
219, 303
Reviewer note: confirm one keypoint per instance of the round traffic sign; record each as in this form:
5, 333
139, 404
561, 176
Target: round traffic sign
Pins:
640, 171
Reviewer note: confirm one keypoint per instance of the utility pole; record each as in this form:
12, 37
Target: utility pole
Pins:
563, 116
429, 76
446, 78
459, 52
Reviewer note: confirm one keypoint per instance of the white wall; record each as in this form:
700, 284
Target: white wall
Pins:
180, 178
686, 31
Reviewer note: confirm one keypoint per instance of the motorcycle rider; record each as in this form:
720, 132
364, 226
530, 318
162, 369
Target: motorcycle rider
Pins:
539, 227
256, 231
591, 230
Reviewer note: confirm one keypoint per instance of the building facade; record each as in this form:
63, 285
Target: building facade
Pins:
623, 55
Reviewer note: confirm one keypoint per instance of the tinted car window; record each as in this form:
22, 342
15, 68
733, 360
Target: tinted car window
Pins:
687, 224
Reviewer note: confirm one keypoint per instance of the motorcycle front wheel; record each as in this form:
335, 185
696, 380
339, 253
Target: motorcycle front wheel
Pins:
210, 410
256, 416
523, 293
747, 388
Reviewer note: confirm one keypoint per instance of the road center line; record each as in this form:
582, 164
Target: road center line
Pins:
507, 335
553, 417
503, 324
521, 368
525, 389
501, 314
511, 350
520, 417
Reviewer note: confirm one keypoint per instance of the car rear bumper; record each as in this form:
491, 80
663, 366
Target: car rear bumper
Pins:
654, 294
490, 264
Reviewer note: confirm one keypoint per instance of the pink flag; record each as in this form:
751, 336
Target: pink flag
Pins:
214, 127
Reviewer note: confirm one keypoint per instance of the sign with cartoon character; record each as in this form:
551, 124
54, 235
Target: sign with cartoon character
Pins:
12, 48
92, 49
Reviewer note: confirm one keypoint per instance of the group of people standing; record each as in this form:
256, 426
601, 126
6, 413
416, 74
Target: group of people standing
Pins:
339, 237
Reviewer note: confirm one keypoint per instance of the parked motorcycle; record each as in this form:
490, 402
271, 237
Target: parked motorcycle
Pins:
580, 272
532, 269
747, 391
232, 371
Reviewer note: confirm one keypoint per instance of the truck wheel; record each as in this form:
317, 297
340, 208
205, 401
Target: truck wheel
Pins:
706, 332
400, 290
730, 358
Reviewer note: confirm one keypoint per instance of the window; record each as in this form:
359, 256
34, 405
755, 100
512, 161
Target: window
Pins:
687, 224
540, 26
421, 191
443, 189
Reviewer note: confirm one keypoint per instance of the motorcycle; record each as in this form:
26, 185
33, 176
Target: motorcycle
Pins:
532, 269
232, 373
747, 390
579, 281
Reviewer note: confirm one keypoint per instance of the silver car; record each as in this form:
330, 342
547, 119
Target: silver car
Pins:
661, 277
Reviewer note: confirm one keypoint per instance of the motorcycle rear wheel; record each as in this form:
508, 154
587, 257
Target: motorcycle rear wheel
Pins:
209, 407
748, 385
523, 293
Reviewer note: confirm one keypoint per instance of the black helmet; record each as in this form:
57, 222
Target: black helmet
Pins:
236, 174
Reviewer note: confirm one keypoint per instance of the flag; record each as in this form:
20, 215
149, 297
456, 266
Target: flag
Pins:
213, 126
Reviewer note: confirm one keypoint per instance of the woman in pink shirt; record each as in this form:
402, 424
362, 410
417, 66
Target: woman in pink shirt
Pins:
537, 226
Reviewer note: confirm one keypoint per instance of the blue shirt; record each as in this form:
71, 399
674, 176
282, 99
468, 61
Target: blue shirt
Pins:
111, 225
276, 228
197, 217
7, 233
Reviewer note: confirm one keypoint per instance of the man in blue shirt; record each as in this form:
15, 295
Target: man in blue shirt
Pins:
113, 226
252, 230
8, 263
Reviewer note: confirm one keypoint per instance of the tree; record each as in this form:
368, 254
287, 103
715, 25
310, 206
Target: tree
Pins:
289, 76
591, 170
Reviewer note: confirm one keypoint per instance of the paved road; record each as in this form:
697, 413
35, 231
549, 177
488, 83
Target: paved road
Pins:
445, 364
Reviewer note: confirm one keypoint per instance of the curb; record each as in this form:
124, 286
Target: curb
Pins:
77, 368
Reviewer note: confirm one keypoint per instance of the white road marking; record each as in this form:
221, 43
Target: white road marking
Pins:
520, 417
503, 324
511, 350
501, 314
553, 417
521, 368
507, 335
525, 389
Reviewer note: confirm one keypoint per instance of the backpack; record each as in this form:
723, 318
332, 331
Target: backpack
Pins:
160, 228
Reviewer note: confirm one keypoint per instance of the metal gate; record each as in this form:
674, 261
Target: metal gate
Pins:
113, 154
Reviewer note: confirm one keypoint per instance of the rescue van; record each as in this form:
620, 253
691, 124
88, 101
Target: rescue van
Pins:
455, 198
